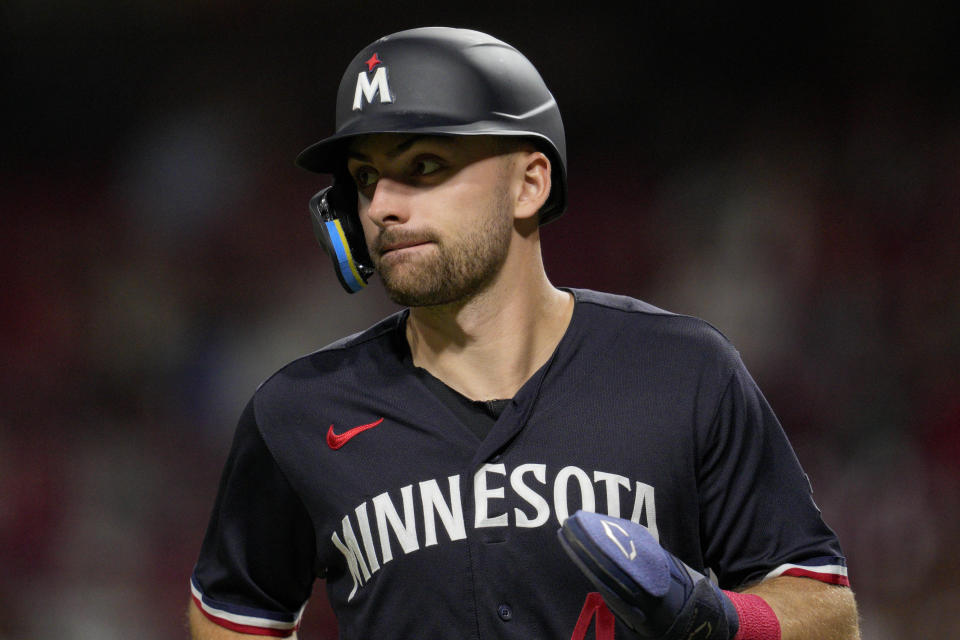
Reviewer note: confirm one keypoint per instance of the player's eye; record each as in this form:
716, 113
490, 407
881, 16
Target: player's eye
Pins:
426, 166
365, 177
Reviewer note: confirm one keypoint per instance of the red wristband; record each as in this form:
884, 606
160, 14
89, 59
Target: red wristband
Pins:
757, 619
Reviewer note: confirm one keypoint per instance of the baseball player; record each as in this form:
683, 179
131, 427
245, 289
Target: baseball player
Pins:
501, 458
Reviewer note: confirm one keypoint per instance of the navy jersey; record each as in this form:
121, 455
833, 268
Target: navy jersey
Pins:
346, 466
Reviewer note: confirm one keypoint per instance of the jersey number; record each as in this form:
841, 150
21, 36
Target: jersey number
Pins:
594, 606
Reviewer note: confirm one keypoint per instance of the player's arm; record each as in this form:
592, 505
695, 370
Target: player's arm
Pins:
256, 565
810, 609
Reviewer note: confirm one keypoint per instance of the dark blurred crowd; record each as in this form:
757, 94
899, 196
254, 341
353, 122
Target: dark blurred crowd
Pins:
794, 180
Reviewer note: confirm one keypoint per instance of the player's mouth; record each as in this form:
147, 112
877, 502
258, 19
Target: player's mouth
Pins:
397, 245
402, 247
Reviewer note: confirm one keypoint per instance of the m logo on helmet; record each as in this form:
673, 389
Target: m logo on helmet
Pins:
371, 88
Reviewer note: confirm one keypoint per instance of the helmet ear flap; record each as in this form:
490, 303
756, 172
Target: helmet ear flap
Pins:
338, 230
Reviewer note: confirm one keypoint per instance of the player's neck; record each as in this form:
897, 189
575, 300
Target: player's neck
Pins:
488, 347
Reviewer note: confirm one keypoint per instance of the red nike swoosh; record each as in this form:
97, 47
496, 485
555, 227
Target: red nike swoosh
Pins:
337, 440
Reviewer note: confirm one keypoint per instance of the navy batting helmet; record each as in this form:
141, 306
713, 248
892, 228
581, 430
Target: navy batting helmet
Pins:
431, 81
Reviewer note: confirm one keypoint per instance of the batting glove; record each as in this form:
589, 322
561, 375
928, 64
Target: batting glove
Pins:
648, 588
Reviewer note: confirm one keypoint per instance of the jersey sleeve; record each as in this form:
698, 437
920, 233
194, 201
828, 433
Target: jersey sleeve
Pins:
256, 565
758, 517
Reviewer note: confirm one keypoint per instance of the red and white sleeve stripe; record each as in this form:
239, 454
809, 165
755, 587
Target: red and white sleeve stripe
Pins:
243, 620
829, 570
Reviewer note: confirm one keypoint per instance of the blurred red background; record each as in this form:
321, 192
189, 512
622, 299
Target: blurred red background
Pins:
792, 175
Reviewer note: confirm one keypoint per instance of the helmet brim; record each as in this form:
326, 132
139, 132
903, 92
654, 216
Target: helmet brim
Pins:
328, 155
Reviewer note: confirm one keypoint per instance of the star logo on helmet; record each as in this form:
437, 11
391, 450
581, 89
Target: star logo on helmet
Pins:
373, 61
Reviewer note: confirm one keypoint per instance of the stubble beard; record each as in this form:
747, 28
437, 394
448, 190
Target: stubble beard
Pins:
451, 270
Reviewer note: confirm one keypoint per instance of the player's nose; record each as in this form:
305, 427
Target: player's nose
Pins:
390, 203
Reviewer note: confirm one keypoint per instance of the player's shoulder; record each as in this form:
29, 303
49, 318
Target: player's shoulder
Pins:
385, 330
614, 302
620, 311
648, 325
353, 357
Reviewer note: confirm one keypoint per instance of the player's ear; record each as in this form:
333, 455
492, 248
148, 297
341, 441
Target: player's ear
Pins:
533, 168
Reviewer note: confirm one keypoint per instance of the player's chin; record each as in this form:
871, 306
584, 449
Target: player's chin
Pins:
417, 298
404, 284
418, 288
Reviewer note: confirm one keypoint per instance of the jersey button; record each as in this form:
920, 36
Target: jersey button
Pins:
505, 612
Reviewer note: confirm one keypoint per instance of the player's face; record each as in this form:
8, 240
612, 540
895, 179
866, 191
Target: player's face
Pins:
436, 213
